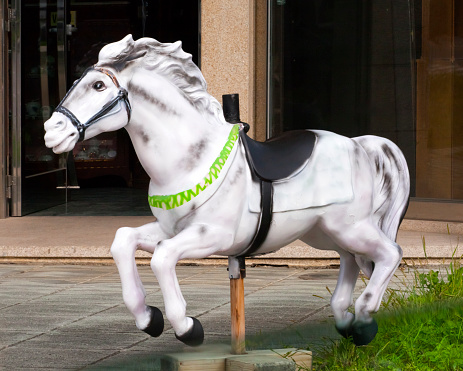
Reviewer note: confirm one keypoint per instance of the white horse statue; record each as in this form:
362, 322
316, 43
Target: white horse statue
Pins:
208, 180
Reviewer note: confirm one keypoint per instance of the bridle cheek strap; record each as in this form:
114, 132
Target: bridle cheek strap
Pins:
122, 95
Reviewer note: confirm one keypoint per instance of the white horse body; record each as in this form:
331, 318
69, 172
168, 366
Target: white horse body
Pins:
349, 197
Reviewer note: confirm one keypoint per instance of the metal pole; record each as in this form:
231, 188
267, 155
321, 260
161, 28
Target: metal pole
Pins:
3, 109
15, 96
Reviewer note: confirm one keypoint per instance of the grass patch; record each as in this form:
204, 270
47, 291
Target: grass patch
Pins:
426, 338
420, 327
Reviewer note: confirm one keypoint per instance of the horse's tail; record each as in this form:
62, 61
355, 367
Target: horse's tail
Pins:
392, 183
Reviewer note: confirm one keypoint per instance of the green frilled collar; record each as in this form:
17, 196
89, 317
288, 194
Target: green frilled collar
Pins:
169, 202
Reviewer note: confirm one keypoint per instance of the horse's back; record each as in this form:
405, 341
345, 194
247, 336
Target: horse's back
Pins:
326, 179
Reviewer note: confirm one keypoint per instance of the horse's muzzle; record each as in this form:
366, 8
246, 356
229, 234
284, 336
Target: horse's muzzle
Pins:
60, 134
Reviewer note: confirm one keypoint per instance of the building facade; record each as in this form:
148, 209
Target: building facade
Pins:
388, 68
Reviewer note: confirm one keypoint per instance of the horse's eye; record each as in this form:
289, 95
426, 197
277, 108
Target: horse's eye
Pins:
99, 86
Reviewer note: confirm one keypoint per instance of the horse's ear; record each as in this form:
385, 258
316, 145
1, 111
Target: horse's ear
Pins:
119, 53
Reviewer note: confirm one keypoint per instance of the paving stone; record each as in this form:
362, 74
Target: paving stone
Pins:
71, 317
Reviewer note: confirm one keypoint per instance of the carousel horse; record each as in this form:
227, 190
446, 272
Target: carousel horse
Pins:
213, 190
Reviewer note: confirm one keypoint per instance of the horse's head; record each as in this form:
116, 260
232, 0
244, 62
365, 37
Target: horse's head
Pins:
96, 97
100, 96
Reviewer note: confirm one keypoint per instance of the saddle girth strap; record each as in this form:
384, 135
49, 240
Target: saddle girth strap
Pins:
266, 212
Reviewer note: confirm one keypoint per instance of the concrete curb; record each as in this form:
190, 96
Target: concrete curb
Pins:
88, 240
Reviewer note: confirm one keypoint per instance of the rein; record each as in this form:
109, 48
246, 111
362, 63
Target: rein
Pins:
122, 95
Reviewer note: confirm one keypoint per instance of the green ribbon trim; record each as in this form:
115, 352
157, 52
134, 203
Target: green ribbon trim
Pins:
169, 202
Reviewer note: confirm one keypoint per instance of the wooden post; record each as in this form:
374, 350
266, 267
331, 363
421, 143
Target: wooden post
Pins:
237, 316
237, 272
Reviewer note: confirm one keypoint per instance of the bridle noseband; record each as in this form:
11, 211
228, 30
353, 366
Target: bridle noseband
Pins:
122, 95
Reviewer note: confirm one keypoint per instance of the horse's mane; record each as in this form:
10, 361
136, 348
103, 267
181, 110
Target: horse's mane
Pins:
170, 61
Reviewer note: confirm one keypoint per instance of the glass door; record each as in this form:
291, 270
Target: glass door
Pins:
346, 67
39, 82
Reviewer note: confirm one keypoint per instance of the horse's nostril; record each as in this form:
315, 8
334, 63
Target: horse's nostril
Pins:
60, 125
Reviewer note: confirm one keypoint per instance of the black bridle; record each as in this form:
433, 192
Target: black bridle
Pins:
122, 95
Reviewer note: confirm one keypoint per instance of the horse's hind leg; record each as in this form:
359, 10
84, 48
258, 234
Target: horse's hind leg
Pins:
342, 297
126, 243
386, 259
366, 241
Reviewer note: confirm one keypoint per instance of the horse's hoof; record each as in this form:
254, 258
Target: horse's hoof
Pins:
156, 325
364, 333
194, 336
345, 332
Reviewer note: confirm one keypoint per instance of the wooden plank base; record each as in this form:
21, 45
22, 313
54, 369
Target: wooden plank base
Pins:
218, 358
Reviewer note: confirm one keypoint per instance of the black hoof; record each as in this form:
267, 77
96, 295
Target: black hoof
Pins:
156, 325
195, 336
364, 333
345, 332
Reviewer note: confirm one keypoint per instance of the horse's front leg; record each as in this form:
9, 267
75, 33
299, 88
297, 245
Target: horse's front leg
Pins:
126, 243
195, 242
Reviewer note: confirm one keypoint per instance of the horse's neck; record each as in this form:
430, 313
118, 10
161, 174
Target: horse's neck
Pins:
180, 159
176, 148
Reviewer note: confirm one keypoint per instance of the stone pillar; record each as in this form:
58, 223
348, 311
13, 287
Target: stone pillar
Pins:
228, 54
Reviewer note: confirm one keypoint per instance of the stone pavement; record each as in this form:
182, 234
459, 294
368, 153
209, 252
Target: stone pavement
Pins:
71, 317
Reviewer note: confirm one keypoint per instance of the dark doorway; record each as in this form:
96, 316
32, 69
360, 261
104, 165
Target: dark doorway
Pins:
58, 41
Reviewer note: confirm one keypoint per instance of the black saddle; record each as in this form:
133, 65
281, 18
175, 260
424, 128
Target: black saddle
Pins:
276, 159
280, 157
